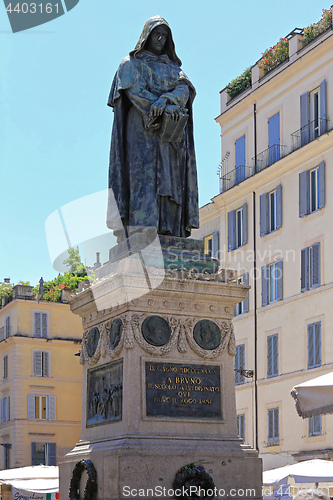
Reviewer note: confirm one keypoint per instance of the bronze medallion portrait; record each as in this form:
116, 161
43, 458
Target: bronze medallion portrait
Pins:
156, 331
207, 334
116, 330
93, 339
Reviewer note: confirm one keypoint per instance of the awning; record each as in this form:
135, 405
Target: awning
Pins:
309, 471
314, 397
41, 479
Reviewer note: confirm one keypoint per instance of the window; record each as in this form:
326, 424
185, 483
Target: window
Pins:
239, 364
310, 267
212, 245
314, 345
312, 190
41, 363
5, 409
240, 159
5, 366
271, 283
243, 307
237, 228
6, 447
271, 211
273, 425
272, 355
41, 407
40, 324
315, 426
241, 426
7, 327
43, 454
313, 113
273, 138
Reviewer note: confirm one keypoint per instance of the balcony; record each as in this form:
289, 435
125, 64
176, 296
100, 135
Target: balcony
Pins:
269, 156
308, 133
235, 176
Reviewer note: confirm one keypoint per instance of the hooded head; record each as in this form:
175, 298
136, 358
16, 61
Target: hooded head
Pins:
169, 48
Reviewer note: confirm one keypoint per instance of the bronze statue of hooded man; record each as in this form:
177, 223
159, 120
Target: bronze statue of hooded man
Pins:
152, 172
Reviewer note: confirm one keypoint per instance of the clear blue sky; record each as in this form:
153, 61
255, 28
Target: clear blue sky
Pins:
54, 83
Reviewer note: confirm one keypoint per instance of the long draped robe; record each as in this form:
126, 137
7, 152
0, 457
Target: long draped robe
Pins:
154, 182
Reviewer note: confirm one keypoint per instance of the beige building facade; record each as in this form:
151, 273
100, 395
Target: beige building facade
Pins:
40, 380
272, 223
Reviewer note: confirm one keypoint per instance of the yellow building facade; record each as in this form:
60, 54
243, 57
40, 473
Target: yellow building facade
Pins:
272, 223
40, 380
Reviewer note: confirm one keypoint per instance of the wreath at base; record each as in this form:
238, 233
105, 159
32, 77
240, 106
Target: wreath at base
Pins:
91, 486
192, 480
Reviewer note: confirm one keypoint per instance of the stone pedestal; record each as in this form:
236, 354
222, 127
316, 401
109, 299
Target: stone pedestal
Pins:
158, 384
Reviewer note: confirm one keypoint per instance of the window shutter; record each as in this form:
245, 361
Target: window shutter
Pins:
44, 325
51, 408
304, 269
264, 285
5, 366
269, 356
231, 230
7, 327
315, 265
52, 454
263, 214
322, 108
38, 326
244, 224
303, 193
242, 427
215, 245
241, 362
236, 363
33, 454
321, 181
278, 206
317, 344
38, 355
310, 346
270, 425
240, 159
275, 356
2, 410
279, 276
246, 300
276, 423
31, 406
317, 425
6, 408
274, 138
45, 364
305, 129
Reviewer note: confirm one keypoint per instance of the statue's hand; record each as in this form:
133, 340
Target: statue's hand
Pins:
174, 110
158, 107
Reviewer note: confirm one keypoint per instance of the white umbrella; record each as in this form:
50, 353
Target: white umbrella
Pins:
314, 397
37, 478
309, 471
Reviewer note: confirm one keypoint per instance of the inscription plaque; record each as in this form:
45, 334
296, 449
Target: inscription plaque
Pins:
183, 390
105, 390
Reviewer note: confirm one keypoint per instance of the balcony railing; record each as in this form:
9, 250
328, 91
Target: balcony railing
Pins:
235, 176
308, 133
269, 156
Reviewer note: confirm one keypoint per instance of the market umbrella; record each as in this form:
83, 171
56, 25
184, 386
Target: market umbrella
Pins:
314, 397
309, 471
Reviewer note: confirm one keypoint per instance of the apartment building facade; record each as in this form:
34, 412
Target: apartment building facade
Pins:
40, 380
271, 222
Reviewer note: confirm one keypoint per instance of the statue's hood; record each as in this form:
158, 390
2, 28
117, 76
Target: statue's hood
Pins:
152, 23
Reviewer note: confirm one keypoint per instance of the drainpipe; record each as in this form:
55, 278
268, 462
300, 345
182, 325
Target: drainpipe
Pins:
255, 286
